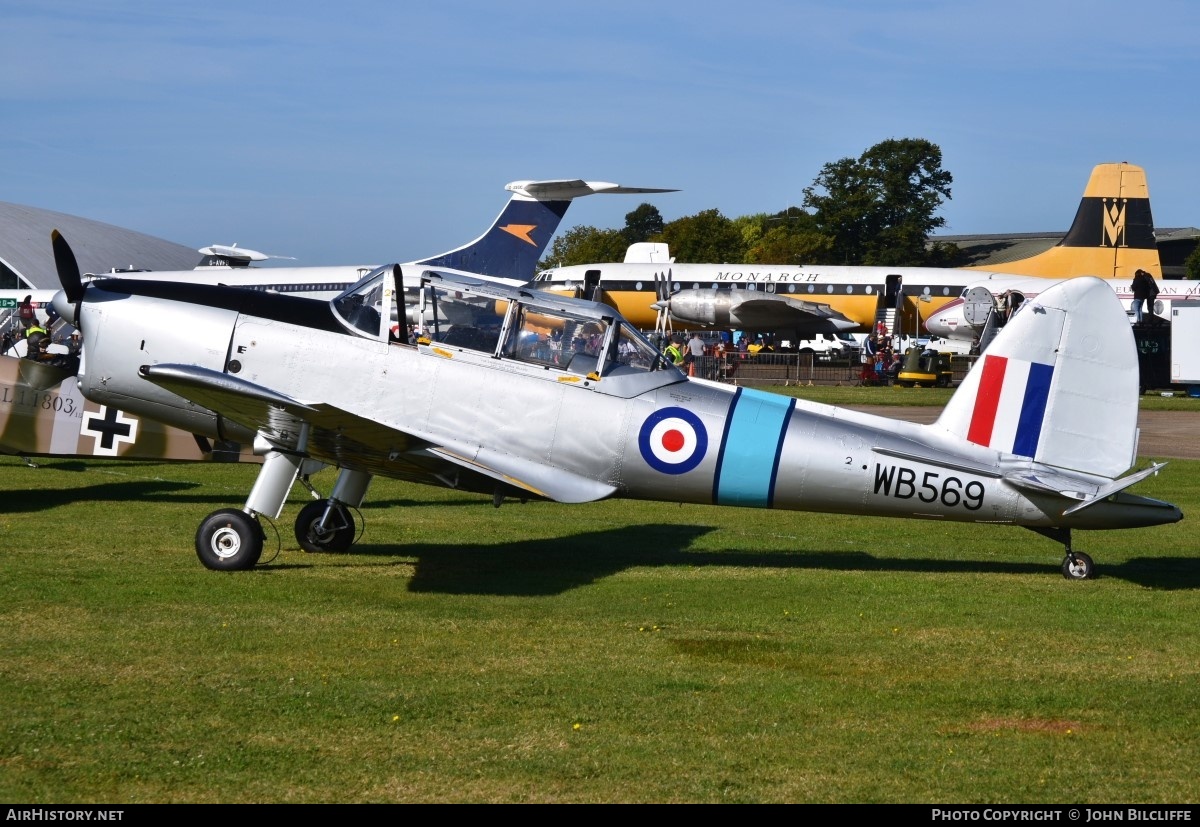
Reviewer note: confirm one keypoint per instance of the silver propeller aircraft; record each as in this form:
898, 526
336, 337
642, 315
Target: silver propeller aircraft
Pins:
303, 379
42, 413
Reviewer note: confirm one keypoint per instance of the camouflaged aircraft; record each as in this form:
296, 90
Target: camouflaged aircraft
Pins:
42, 414
1041, 433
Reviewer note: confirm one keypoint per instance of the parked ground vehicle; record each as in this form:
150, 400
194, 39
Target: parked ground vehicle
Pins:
826, 347
925, 368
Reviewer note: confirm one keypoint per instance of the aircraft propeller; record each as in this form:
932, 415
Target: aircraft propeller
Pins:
662, 304
68, 277
68, 268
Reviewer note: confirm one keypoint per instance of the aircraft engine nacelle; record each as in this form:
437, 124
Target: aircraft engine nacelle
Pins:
702, 307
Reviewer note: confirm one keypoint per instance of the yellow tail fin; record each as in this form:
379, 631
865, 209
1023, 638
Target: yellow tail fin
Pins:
1111, 237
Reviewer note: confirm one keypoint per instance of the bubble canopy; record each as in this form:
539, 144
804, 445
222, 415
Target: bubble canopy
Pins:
558, 333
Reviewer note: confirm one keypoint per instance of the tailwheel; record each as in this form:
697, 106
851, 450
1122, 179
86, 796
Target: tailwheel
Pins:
229, 540
1077, 566
316, 531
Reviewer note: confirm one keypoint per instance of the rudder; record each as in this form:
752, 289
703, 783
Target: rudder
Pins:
1058, 386
513, 245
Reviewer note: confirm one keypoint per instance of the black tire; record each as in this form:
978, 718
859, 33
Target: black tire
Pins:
1078, 566
335, 541
229, 540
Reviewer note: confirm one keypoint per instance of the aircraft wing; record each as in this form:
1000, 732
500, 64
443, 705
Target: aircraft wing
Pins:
342, 438
772, 310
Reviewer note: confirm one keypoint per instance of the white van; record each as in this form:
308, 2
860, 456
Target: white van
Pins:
826, 347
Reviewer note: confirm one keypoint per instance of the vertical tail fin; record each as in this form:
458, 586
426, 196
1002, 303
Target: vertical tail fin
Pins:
1112, 235
513, 245
1059, 385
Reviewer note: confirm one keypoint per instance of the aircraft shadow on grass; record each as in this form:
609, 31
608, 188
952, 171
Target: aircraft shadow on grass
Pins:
46, 499
149, 490
558, 564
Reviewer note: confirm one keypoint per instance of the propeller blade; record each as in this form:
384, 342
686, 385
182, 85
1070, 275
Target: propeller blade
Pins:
662, 304
68, 268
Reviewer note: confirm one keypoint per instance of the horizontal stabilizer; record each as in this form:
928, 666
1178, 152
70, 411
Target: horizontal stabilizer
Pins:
234, 252
1116, 486
1047, 481
567, 189
1074, 488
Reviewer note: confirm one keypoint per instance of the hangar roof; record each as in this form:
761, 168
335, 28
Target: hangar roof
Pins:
25, 250
995, 250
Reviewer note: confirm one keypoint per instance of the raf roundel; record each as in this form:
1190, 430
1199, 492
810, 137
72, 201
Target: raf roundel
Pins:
673, 440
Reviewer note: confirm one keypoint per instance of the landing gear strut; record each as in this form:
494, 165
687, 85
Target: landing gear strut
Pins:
329, 525
325, 526
232, 539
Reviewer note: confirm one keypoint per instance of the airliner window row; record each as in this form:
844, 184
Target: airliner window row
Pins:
830, 289
330, 287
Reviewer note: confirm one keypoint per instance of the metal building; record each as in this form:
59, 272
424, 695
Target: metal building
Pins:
27, 260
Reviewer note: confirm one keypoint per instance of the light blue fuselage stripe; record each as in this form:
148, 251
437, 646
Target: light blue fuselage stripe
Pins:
1033, 410
750, 455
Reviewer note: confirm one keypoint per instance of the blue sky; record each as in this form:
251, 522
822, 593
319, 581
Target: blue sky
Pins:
351, 132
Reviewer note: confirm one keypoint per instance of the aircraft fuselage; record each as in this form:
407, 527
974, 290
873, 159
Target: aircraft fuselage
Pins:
699, 292
569, 433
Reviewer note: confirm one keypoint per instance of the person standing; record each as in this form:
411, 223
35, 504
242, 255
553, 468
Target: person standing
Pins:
695, 353
36, 337
674, 352
869, 351
1145, 290
27, 314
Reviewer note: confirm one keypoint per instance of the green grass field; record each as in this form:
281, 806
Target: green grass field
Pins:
611, 652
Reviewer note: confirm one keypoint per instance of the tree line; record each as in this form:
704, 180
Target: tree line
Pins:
877, 209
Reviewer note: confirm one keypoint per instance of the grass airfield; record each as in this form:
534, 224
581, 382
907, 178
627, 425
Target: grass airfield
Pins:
610, 652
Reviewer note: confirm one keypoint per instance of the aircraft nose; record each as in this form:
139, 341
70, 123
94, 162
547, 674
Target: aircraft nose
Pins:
942, 323
64, 307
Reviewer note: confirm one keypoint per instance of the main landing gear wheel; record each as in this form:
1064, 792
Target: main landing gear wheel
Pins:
337, 535
1077, 566
229, 540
